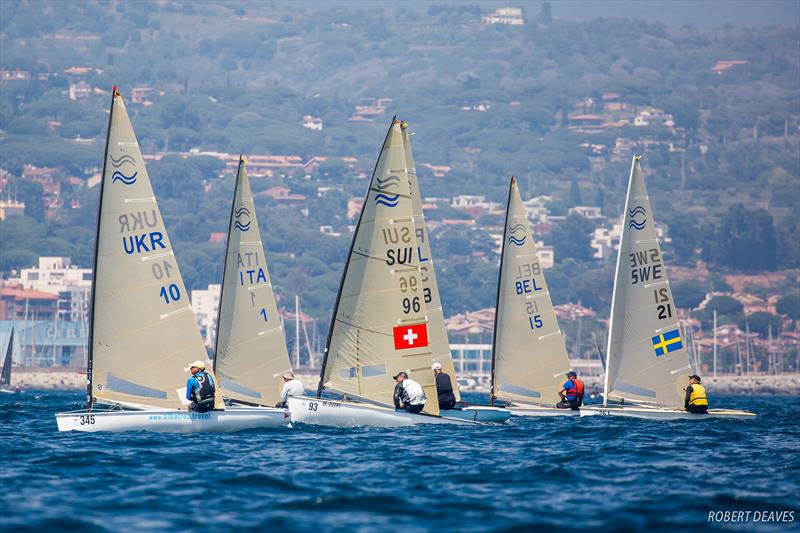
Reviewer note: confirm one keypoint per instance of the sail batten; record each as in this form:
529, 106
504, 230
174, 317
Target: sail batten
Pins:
645, 361
529, 357
250, 356
379, 326
141, 335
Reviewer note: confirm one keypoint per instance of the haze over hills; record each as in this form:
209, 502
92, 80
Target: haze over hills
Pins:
549, 93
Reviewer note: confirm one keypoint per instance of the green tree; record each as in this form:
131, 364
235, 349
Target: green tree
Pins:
724, 305
746, 239
572, 238
761, 322
689, 293
789, 305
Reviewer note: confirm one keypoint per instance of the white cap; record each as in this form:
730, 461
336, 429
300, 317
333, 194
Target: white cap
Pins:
437, 366
199, 364
288, 375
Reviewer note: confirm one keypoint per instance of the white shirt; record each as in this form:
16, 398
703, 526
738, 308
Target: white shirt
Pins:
416, 395
293, 387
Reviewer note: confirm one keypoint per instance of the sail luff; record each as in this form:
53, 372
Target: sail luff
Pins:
440, 343
497, 294
530, 359
324, 365
5, 376
381, 324
251, 352
647, 360
90, 345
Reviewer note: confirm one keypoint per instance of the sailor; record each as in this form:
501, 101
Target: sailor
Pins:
291, 387
408, 394
444, 388
571, 392
696, 400
200, 388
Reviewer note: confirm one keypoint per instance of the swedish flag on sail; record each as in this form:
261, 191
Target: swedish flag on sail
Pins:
667, 342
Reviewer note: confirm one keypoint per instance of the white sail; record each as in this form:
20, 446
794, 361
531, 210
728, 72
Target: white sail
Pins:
251, 353
7, 351
380, 324
143, 331
529, 358
437, 330
646, 358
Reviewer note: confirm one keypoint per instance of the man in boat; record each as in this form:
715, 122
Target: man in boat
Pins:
571, 392
444, 388
291, 387
408, 394
200, 388
696, 400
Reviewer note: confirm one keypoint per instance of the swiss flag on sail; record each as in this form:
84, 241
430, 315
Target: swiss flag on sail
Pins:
414, 336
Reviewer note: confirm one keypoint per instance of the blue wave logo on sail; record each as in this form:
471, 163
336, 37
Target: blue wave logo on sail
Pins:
638, 219
389, 200
391, 181
242, 222
123, 160
127, 180
515, 241
515, 228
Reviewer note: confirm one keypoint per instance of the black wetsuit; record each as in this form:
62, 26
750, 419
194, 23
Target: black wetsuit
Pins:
444, 389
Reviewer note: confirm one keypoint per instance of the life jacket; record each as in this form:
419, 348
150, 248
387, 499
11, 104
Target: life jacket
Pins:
577, 390
698, 395
204, 395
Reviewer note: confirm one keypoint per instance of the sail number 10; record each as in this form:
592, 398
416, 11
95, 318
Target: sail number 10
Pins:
170, 293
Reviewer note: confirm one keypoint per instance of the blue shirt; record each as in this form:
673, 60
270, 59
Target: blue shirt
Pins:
568, 386
192, 384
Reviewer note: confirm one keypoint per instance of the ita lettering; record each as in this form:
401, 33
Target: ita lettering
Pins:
250, 271
646, 266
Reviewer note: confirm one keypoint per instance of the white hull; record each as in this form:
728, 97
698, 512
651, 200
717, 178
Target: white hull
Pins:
522, 409
479, 413
174, 421
656, 413
339, 414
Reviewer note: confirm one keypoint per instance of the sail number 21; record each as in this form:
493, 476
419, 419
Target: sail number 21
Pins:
664, 305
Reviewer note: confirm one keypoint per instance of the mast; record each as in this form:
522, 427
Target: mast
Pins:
497, 294
344, 273
715, 343
636, 158
225, 261
296, 331
90, 354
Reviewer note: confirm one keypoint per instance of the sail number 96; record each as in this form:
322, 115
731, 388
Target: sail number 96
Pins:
411, 304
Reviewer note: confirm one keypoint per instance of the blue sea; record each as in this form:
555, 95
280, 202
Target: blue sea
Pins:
568, 473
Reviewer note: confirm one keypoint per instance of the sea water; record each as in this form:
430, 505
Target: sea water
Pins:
568, 473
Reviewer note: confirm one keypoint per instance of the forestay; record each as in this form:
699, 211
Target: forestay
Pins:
143, 331
380, 324
646, 358
251, 353
437, 330
529, 358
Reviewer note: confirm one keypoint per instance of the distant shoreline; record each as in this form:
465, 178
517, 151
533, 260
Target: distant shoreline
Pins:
781, 385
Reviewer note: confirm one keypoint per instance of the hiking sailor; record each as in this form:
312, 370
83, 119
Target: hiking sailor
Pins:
444, 388
571, 392
200, 388
696, 400
291, 387
408, 394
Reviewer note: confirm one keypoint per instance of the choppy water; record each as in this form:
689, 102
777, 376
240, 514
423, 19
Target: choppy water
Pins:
567, 473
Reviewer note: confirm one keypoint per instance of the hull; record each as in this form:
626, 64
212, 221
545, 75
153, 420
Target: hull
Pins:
338, 414
522, 409
655, 413
479, 413
173, 421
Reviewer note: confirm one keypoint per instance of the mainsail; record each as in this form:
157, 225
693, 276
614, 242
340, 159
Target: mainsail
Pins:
379, 323
437, 331
529, 358
251, 353
646, 358
5, 375
143, 331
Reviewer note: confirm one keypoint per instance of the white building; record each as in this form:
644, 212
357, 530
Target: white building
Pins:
605, 241
547, 255
57, 275
589, 212
312, 123
505, 15
205, 304
11, 208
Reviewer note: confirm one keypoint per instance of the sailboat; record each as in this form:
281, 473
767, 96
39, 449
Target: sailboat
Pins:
250, 353
5, 374
529, 360
647, 364
380, 324
142, 331
437, 330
